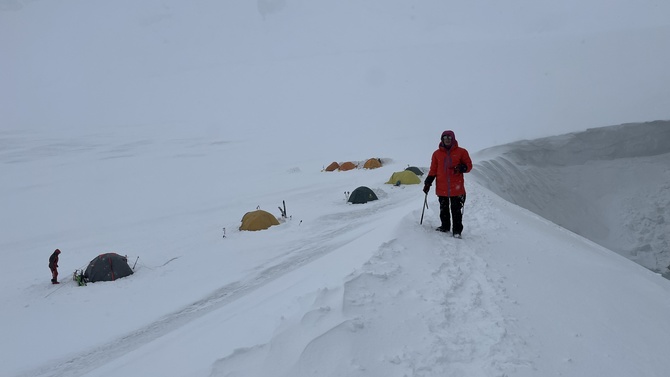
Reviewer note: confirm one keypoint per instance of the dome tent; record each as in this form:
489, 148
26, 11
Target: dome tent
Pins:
415, 170
372, 163
362, 195
347, 166
107, 267
258, 220
333, 166
405, 177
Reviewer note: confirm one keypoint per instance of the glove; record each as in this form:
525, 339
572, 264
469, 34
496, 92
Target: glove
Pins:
461, 168
426, 184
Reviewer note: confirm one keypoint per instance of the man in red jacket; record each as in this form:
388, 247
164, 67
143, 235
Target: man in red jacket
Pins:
53, 266
448, 164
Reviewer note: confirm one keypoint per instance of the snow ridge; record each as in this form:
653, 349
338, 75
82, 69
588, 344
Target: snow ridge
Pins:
607, 184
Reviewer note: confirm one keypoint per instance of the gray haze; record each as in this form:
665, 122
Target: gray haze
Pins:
382, 69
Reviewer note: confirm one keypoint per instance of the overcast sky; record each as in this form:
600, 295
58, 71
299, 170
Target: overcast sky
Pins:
492, 72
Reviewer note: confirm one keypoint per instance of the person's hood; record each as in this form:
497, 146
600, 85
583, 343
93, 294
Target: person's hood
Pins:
454, 142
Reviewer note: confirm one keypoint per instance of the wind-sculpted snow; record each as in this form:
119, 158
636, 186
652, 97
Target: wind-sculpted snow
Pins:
611, 185
357, 290
337, 231
422, 305
149, 128
605, 143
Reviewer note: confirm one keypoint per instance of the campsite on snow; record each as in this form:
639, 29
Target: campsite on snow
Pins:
338, 286
237, 188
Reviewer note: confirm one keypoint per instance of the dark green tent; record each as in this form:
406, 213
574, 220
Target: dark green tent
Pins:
362, 195
415, 170
107, 267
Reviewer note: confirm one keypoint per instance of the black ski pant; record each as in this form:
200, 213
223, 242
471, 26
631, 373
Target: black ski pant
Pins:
456, 203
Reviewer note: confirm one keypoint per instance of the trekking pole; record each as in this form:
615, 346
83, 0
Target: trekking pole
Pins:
425, 205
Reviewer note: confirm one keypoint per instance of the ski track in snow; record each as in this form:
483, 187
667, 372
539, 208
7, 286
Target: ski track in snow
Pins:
464, 334
353, 222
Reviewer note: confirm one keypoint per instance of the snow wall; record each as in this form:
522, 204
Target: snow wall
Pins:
610, 185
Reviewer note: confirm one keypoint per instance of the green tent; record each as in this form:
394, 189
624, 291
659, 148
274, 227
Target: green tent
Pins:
405, 177
362, 195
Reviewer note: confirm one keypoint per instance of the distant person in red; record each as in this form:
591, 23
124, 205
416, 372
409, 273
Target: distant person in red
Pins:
447, 166
53, 266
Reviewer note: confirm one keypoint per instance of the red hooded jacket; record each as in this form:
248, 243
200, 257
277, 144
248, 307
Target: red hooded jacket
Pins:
449, 181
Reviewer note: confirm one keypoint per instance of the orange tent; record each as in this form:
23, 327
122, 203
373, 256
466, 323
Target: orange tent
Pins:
332, 167
347, 166
372, 163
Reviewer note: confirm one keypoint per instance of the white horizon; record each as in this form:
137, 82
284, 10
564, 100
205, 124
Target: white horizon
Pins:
147, 128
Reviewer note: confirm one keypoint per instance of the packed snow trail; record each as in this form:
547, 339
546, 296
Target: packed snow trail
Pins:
455, 326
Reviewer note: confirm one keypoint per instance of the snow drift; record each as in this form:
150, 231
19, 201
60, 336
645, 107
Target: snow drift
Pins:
610, 184
150, 128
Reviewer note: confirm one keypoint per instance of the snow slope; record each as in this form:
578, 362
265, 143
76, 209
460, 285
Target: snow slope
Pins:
338, 289
610, 185
148, 128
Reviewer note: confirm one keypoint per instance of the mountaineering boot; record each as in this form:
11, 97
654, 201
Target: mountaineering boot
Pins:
457, 235
442, 229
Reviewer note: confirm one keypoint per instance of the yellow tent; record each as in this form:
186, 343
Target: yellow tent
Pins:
405, 177
372, 163
258, 220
